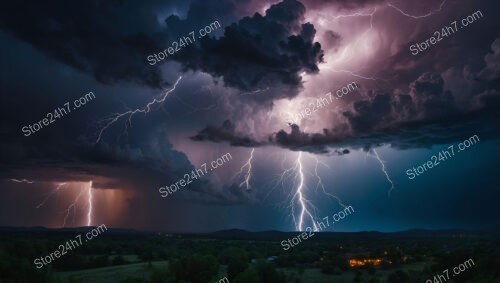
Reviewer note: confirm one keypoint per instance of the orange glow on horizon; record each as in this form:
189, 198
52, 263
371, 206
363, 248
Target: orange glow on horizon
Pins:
363, 262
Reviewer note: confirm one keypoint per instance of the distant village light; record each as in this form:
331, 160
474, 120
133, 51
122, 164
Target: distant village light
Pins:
363, 262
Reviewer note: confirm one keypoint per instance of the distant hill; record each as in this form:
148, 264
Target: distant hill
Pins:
40, 229
239, 234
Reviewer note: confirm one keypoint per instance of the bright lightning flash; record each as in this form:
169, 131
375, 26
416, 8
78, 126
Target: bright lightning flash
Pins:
56, 190
130, 113
22, 181
350, 51
430, 13
302, 209
72, 205
322, 186
89, 214
299, 196
382, 163
248, 172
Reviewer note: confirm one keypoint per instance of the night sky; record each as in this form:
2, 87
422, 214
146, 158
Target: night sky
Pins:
239, 90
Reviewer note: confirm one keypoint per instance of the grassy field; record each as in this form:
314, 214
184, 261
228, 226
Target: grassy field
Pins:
314, 275
113, 274
129, 258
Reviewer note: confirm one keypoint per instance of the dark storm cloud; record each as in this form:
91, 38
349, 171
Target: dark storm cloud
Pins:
204, 192
256, 52
95, 37
113, 166
343, 4
296, 140
426, 100
202, 13
332, 40
261, 51
109, 39
224, 133
407, 135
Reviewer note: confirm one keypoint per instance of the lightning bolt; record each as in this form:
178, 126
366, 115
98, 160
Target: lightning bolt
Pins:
348, 49
197, 109
72, 205
255, 91
248, 172
130, 113
430, 13
320, 184
352, 73
355, 14
89, 214
56, 190
382, 163
302, 209
22, 181
371, 14
299, 196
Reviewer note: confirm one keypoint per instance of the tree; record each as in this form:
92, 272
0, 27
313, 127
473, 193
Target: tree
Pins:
196, 268
118, 260
398, 277
250, 275
358, 278
267, 273
228, 254
161, 276
236, 266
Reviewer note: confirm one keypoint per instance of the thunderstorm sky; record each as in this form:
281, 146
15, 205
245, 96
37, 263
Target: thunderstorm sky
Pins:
235, 91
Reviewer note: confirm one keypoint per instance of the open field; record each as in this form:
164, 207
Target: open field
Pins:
113, 274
